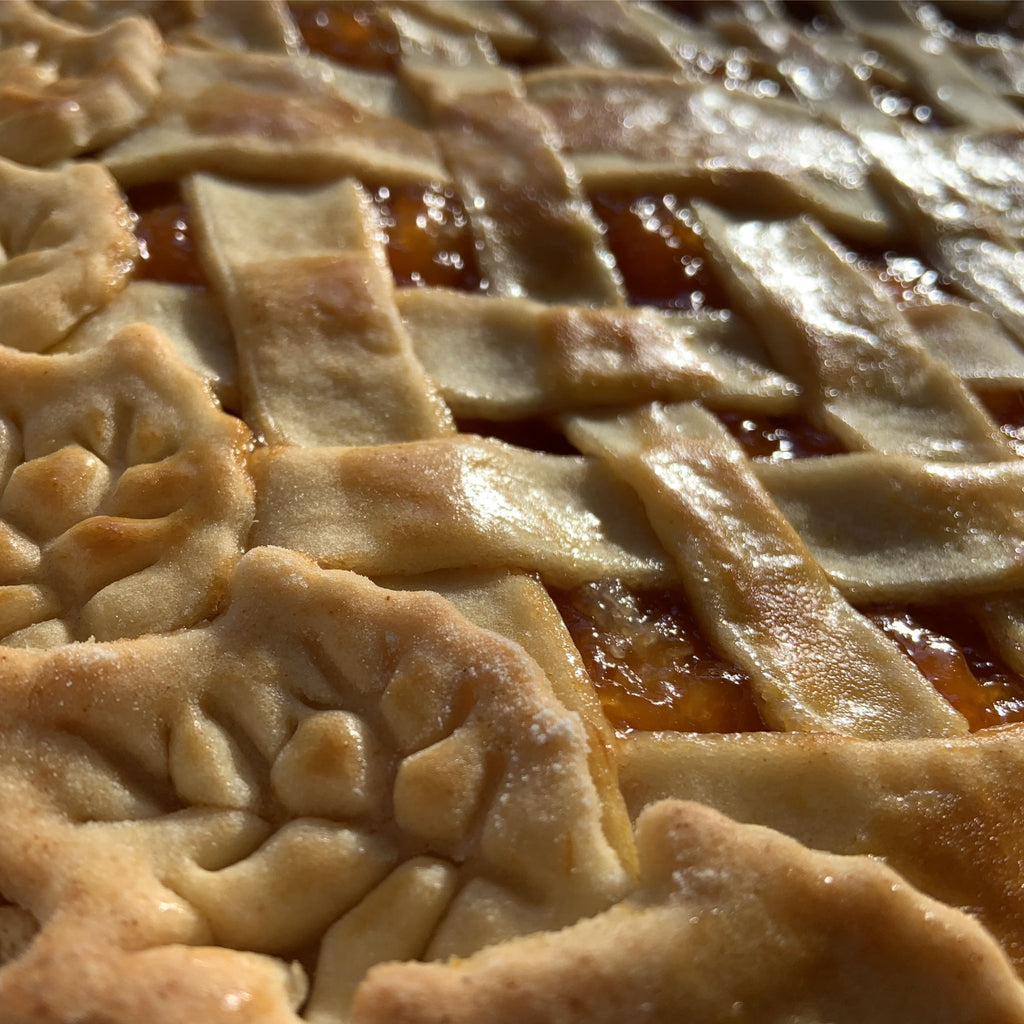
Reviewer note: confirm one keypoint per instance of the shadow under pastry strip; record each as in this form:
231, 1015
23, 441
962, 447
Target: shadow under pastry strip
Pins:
326, 744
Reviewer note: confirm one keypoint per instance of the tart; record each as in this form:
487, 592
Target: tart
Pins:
511, 512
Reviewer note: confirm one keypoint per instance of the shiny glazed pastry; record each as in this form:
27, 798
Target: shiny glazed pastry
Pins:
511, 512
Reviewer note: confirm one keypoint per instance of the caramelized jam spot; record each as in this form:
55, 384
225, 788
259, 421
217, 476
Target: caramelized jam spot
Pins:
355, 34
657, 245
163, 228
428, 237
778, 438
650, 663
1007, 409
952, 653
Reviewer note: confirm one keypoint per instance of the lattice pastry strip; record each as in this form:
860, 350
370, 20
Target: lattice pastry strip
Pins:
323, 356
820, 69
954, 183
975, 347
894, 529
536, 238
945, 814
501, 27
998, 59
950, 85
451, 34
699, 139
125, 499
328, 743
816, 664
962, 195
64, 90
708, 888
502, 359
463, 502
608, 35
66, 249
282, 118
870, 379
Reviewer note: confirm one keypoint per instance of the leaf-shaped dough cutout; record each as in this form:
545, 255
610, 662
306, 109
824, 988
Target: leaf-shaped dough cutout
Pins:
68, 239
731, 922
75, 90
131, 546
188, 818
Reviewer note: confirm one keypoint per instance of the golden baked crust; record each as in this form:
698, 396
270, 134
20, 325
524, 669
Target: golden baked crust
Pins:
126, 499
729, 921
68, 249
328, 772
67, 90
511, 512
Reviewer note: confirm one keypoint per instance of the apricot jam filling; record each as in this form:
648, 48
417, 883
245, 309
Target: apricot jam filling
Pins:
778, 438
656, 242
429, 241
953, 654
163, 228
650, 663
424, 228
350, 33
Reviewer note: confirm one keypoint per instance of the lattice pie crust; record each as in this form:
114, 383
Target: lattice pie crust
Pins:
303, 498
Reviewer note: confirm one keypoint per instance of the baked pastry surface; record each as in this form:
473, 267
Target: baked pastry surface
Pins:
511, 512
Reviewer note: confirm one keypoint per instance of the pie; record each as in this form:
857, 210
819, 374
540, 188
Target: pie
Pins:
511, 512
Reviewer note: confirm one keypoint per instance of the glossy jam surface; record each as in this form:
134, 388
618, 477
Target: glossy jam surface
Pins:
952, 653
1007, 409
779, 438
166, 250
428, 238
350, 33
651, 665
658, 249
